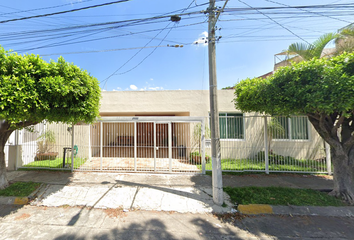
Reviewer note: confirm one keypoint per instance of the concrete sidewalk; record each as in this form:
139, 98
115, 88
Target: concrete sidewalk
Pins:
161, 192
165, 192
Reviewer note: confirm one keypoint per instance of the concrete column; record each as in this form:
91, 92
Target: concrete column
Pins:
266, 150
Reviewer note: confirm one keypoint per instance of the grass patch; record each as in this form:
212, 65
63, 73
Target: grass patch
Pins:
259, 165
281, 196
56, 163
19, 189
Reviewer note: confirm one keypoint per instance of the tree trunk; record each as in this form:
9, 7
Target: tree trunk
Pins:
3, 178
343, 175
4, 136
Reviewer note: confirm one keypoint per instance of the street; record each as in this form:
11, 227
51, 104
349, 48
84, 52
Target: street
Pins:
23, 222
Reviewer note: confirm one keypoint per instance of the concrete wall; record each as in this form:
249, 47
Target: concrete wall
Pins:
195, 103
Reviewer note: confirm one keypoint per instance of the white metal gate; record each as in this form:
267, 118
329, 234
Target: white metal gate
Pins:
140, 144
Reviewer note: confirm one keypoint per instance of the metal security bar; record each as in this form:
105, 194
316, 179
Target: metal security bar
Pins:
270, 144
172, 144
145, 144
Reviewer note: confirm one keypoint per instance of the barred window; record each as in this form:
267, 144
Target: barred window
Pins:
231, 125
295, 128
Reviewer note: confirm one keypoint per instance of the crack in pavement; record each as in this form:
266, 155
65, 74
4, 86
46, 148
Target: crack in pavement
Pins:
136, 192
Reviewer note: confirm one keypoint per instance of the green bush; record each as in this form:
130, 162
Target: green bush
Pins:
274, 158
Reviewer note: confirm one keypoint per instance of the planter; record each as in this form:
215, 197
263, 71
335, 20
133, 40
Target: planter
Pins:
196, 159
46, 156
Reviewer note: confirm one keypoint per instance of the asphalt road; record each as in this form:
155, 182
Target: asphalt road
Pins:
32, 222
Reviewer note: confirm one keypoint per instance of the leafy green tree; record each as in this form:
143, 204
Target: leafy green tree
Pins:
33, 90
322, 89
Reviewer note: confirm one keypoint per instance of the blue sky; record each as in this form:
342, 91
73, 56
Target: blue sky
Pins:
141, 56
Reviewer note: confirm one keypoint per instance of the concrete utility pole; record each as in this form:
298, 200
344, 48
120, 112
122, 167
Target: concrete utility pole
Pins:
218, 196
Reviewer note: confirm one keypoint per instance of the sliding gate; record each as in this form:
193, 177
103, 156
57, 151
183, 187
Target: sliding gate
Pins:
154, 144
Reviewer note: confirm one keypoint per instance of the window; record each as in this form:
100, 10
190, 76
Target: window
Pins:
295, 128
231, 125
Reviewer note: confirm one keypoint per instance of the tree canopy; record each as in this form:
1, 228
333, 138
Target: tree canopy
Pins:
32, 90
319, 86
322, 89
308, 51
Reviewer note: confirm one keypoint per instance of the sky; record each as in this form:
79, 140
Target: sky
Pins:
132, 45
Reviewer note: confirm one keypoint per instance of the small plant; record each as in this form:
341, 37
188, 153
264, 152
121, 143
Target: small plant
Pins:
207, 158
195, 158
46, 141
197, 134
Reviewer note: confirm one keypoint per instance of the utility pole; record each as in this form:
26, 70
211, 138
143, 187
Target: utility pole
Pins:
218, 196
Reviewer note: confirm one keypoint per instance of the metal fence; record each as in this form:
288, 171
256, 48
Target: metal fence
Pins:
137, 144
270, 144
172, 144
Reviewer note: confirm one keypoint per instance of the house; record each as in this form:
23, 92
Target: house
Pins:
241, 133
161, 131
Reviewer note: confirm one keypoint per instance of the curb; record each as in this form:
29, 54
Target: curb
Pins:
253, 209
257, 209
21, 200
14, 200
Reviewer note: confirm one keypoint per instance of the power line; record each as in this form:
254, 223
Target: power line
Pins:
112, 50
105, 80
62, 12
276, 22
309, 11
104, 38
115, 73
43, 8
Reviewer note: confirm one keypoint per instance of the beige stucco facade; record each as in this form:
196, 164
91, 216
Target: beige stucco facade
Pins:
118, 138
194, 103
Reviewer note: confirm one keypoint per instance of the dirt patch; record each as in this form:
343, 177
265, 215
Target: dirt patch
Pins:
115, 212
230, 217
22, 217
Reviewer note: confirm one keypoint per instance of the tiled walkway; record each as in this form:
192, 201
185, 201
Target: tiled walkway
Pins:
142, 164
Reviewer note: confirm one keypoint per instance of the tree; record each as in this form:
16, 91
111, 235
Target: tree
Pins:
307, 51
33, 90
321, 89
345, 40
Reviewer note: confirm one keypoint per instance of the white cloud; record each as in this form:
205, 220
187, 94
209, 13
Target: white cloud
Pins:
118, 88
133, 87
151, 79
155, 88
203, 39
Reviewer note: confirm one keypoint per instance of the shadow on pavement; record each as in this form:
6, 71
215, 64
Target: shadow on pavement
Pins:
195, 228
7, 209
298, 227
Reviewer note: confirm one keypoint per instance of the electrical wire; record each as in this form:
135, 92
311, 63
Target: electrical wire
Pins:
276, 22
115, 73
43, 8
62, 12
308, 11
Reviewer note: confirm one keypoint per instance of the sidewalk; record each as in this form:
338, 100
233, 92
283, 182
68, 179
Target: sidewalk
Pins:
161, 192
165, 192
